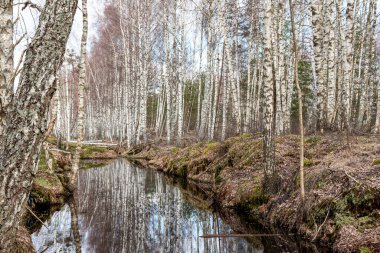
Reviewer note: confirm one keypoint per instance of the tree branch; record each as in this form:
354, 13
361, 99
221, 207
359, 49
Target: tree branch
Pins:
30, 4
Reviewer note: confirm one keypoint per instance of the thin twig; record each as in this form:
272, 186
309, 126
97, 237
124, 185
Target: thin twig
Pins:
18, 68
19, 40
45, 249
316, 234
32, 5
27, 208
351, 177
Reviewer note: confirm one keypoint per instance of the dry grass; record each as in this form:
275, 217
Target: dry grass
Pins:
342, 183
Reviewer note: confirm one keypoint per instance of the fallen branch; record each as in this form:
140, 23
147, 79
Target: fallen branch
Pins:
99, 144
59, 150
236, 235
137, 157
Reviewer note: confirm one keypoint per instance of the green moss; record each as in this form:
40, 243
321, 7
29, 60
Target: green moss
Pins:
355, 209
233, 139
245, 135
254, 201
42, 165
45, 189
174, 150
366, 222
321, 185
308, 162
210, 147
182, 171
317, 215
357, 198
170, 165
88, 150
47, 181
71, 146
39, 197
344, 219
55, 165
217, 177
259, 196
90, 165
298, 181
376, 162
43, 182
193, 151
365, 250
341, 205
312, 140
52, 140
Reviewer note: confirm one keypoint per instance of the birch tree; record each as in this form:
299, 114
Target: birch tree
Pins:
300, 103
26, 115
316, 7
81, 87
6, 57
143, 67
346, 88
180, 103
269, 131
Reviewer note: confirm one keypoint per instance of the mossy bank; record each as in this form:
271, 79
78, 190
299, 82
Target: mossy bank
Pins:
342, 204
50, 188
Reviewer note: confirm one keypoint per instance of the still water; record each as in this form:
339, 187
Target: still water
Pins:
123, 208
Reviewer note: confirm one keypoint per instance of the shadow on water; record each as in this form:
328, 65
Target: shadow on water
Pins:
123, 208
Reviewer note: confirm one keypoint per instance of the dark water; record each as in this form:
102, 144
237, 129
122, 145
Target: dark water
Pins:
122, 208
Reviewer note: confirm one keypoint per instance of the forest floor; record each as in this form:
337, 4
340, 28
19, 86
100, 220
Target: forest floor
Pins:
342, 204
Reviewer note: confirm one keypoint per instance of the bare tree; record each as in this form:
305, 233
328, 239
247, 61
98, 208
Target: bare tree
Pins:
269, 126
300, 104
26, 115
81, 87
6, 57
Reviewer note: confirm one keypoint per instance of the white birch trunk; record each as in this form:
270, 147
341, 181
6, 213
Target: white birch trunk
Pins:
6, 57
81, 85
269, 131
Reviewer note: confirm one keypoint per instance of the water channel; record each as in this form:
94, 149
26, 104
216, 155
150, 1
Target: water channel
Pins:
124, 208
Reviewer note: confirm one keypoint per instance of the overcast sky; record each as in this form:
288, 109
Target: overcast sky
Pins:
28, 21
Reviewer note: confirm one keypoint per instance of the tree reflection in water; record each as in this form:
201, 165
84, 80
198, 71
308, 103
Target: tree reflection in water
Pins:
122, 208
57, 237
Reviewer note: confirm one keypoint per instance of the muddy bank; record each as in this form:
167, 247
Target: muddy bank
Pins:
342, 207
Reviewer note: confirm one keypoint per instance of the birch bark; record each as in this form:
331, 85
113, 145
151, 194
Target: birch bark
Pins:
346, 94
331, 62
222, 10
269, 131
181, 82
300, 102
167, 77
26, 115
6, 57
316, 7
81, 85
